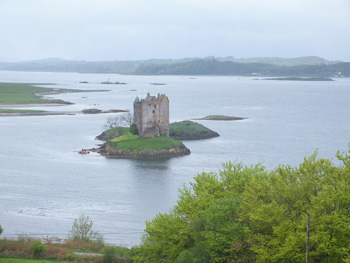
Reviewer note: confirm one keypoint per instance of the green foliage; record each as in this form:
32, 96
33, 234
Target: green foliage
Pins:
133, 129
70, 257
22, 260
130, 143
109, 255
37, 248
1, 230
249, 214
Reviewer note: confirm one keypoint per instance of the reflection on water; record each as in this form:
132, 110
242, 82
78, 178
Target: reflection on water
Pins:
45, 184
151, 165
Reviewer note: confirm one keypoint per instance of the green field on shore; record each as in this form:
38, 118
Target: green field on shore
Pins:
26, 93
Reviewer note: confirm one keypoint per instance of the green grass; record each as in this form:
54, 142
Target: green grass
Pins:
23, 93
22, 260
146, 144
186, 127
124, 138
118, 131
20, 111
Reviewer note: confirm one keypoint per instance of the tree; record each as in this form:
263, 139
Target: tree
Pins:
82, 229
121, 120
1, 230
276, 207
133, 129
128, 118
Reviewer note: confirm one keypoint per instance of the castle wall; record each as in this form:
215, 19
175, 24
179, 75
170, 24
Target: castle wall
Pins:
152, 112
164, 117
138, 115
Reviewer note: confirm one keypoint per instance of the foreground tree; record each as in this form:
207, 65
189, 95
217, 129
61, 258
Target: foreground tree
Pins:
249, 214
82, 230
277, 204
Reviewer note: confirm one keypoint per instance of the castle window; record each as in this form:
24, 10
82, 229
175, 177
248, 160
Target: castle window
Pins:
155, 106
153, 111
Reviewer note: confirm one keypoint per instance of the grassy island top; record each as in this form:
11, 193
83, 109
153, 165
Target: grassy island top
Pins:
187, 127
131, 143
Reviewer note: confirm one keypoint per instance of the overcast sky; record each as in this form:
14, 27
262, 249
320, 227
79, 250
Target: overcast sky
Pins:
143, 29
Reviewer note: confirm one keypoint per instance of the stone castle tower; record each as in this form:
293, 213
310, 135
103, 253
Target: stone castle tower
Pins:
152, 113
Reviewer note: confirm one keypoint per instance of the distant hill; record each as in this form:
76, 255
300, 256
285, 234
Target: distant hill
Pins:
299, 67
214, 67
62, 65
310, 60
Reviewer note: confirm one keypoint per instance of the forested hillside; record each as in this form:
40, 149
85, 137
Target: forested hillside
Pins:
214, 67
298, 67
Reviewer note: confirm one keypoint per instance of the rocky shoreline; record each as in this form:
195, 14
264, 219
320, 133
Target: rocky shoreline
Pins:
110, 152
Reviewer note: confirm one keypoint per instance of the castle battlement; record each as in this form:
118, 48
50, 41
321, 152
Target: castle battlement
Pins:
152, 112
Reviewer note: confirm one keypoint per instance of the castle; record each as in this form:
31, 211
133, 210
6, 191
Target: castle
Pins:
151, 115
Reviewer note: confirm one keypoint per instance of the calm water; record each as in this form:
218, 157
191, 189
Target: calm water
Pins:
45, 184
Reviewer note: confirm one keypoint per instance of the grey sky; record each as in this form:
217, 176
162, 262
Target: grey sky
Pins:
143, 29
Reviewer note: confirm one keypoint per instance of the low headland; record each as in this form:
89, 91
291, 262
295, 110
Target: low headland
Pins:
302, 79
221, 118
27, 95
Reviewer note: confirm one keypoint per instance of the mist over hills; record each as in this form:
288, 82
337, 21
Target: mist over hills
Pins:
311, 66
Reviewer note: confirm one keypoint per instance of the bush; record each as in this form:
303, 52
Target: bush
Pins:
109, 255
70, 257
37, 248
133, 129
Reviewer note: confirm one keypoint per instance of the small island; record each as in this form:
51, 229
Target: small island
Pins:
189, 130
220, 118
183, 130
132, 147
148, 135
302, 79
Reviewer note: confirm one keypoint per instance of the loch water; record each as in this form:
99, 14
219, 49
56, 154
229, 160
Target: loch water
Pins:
45, 183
